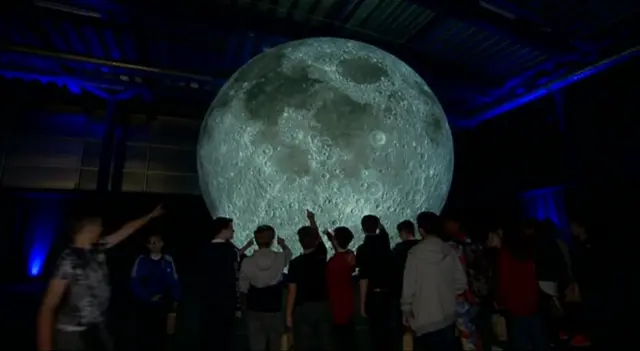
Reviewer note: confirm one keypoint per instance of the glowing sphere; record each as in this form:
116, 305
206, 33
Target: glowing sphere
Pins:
336, 126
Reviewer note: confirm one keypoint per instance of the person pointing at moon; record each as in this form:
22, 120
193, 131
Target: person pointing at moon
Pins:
307, 311
374, 262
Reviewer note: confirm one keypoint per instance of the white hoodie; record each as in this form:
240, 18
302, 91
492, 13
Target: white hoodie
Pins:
433, 278
263, 268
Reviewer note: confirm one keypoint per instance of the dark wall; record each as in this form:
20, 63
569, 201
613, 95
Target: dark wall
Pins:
583, 138
57, 144
35, 223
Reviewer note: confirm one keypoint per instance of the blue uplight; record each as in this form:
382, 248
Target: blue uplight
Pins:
42, 225
547, 203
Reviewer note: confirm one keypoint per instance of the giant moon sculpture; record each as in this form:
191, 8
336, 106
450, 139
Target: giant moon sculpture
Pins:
332, 125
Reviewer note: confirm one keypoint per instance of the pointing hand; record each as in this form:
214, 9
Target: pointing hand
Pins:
310, 215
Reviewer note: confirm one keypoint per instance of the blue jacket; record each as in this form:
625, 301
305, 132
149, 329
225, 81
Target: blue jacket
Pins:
151, 277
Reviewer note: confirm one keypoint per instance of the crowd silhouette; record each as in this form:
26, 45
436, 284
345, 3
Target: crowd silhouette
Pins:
519, 289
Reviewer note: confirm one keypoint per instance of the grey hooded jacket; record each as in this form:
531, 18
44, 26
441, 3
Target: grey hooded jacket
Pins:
433, 278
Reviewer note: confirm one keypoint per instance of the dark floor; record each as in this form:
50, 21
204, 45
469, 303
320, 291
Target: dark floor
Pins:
19, 304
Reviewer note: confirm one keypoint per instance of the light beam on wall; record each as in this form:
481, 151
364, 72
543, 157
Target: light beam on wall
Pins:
547, 203
41, 227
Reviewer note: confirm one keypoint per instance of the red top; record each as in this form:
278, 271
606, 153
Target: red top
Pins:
340, 286
518, 285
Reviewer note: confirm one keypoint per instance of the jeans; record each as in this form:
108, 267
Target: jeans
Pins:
345, 336
527, 332
439, 340
484, 325
398, 328
312, 327
217, 330
265, 330
378, 308
151, 327
93, 338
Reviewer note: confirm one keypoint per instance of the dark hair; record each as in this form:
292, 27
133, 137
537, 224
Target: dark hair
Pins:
518, 245
546, 228
220, 224
80, 224
406, 226
264, 235
430, 223
370, 224
343, 237
154, 235
530, 223
307, 237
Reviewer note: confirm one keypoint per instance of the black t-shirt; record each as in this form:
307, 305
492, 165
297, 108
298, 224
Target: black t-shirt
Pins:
374, 261
220, 273
307, 271
400, 252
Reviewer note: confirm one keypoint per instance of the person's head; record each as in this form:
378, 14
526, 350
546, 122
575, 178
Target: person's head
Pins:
529, 227
519, 245
264, 236
223, 228
155, 244
494, 238
546, 228
308, 238
429, 223
406, 230
343, 237
578, 229
370, 224
87, 230
451, 226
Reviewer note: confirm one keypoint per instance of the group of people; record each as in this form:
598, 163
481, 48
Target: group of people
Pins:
436, 282
414, 285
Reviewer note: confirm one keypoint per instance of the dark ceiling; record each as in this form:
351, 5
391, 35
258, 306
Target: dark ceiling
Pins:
480, 57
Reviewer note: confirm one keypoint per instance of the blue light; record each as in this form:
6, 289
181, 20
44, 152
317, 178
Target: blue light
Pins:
547, 203
43, 223
549, 88
77, 86
74, 85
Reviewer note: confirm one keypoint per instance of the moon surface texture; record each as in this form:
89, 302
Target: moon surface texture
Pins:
332, 125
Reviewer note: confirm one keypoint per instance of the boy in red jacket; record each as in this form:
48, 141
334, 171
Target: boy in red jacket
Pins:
519, 294
340, 269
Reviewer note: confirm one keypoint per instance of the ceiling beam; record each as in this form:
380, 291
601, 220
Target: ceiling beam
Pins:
551, 87
225, 16
504, 24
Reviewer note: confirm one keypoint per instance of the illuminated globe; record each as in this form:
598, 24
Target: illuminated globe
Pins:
332, 125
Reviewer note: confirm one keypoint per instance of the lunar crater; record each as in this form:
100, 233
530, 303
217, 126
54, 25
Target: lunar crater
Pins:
361, 70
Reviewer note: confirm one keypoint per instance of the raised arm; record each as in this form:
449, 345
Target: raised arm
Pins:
321, 249
312, 222
130, 227
331, 239
288, 254
383, 231
247, 246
